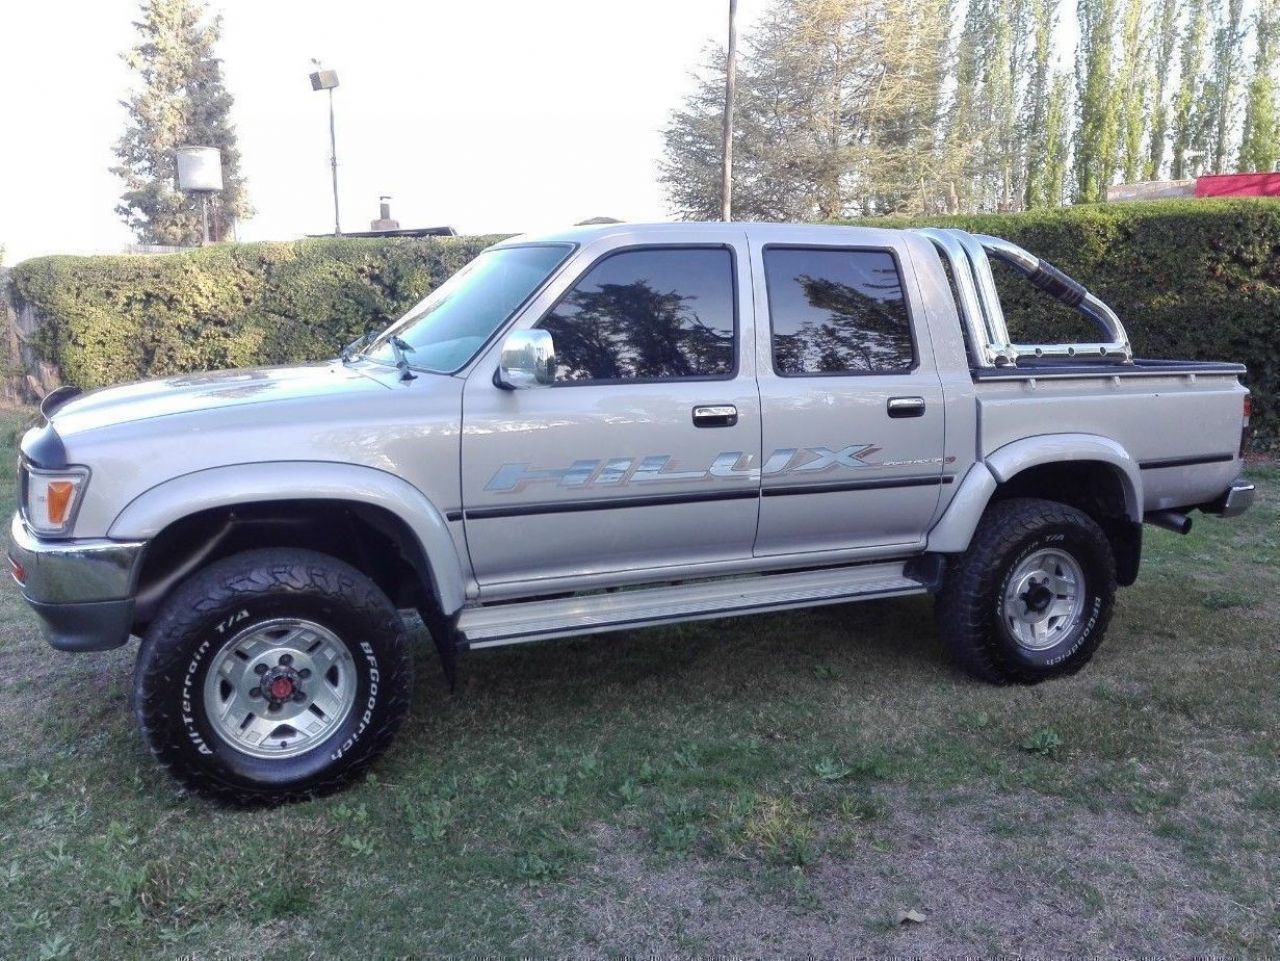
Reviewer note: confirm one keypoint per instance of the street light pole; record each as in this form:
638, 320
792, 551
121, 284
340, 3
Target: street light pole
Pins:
333, 163
726, 130
328, 80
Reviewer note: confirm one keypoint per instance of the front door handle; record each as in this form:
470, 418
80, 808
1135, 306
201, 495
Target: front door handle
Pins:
715, 415
906, 406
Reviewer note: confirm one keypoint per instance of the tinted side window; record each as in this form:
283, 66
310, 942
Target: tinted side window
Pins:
837, 311
645, 314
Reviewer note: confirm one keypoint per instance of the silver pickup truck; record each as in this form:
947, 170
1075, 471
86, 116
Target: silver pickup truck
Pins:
603, 429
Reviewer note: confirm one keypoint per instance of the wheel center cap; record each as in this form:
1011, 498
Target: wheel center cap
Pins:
1037, 597
279, 685
282, 688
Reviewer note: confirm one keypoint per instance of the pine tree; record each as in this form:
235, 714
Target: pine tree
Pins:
836, 113
892, 161
1260, 144
1096, 140
1163, 49
1222, 92
1135, 82
1188, 114
690, 164
181, 101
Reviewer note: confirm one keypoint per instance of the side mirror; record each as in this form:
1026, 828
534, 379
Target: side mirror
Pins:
528, 360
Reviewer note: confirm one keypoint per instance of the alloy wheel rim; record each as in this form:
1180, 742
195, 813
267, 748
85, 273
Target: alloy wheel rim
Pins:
1044, 599
280, 688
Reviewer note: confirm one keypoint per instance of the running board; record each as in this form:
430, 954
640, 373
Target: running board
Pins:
591, 613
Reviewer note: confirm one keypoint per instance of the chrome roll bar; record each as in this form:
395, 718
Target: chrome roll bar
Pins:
967, 256
986, 340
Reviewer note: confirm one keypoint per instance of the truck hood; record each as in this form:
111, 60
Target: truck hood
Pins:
219, 389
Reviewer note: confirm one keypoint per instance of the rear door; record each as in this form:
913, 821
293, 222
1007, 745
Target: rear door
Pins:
643, 453
851, 401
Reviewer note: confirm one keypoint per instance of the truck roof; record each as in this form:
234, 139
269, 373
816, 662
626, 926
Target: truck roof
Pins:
674, 231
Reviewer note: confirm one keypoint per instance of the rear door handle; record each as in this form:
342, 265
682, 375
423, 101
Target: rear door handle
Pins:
715, 415
906, 406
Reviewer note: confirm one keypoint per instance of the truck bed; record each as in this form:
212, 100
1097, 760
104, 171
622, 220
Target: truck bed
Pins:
1179, 420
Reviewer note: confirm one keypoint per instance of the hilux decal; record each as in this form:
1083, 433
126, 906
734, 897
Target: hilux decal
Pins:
660, 467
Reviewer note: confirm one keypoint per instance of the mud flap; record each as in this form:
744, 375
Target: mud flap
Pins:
445, 636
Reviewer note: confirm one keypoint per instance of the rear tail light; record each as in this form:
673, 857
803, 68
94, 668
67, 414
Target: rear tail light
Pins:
1246, 435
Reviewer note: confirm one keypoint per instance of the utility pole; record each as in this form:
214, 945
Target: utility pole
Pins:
726, 132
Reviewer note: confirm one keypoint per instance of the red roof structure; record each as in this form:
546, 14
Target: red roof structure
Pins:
1238, 185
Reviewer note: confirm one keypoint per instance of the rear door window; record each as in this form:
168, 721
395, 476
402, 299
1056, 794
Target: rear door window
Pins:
837, 311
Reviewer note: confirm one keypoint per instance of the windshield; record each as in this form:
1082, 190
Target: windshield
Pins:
447, 328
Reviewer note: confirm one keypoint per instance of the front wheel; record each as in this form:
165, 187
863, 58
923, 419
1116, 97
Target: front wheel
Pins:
272, 675
1032, 596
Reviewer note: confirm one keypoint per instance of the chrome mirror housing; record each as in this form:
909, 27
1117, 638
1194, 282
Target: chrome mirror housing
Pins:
528, 360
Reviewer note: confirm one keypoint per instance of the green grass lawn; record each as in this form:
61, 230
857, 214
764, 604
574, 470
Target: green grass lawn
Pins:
784, 784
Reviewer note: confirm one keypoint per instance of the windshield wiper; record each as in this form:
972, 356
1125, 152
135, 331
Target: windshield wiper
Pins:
353, 349
400, 347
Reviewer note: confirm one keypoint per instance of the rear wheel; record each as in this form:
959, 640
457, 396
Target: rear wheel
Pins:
1032, 596
272, 675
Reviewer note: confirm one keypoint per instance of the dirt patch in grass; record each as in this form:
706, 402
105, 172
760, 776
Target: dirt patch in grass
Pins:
987, 874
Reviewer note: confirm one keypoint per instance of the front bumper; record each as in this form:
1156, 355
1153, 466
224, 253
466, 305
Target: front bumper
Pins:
1234, 501
80, 589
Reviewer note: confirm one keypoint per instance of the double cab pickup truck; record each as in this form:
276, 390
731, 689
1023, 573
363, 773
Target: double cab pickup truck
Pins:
604, 429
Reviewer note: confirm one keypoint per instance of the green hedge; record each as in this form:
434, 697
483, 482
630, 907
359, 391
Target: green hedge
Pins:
1196, 279
105, 320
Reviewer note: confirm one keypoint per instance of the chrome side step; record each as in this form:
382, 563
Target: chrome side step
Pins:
591, 613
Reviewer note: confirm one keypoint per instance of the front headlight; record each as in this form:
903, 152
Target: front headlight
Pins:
50, 498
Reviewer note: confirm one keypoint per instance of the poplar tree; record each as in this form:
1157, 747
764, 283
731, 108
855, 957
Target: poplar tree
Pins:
1057, 140
1260, 143
964, 140
1163, 49
1188, 114
1046, 183
1044, 17
985, 137
1095, 158
181, 101
1135, 82
1222, 92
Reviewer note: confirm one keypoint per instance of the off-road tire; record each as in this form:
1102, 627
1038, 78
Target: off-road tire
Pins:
970, 604
231, 595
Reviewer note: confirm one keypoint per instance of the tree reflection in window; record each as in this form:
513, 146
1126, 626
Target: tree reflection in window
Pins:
837, 311
647, 314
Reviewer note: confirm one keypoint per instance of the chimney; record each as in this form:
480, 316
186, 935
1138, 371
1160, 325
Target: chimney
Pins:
384, 221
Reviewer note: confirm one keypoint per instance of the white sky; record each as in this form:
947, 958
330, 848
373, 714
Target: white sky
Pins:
489, 115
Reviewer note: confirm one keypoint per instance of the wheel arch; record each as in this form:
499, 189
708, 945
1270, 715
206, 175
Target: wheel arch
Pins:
1087, 471
1062, 452
338, 499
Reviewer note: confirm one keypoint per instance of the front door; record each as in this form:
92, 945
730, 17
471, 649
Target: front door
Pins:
643, 454
851, 403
